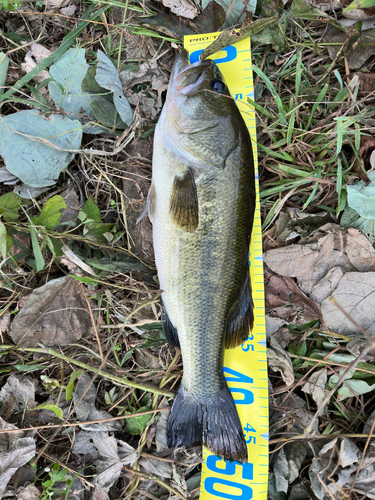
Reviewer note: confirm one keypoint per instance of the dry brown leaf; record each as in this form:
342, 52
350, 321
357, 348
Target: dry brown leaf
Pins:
4, 323
299, 260
34, 56
99, 494
20, 240
31, 492
279, 360
72, 205
327, 284
366, 83
356, 295
74, 263
357, 58
20, 390
281, 291
359, 250
316, 386
16, 450
55, 314
325, 5
365, 150
356, 347
182, 8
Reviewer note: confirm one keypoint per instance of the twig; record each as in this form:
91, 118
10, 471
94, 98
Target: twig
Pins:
93, 324
303, 437
329, 363
102, 373
78, 424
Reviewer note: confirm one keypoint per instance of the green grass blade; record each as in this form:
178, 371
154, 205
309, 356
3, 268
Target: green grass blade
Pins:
319, 99
4, 63
271, 88
298, 73
39, 259
290, 128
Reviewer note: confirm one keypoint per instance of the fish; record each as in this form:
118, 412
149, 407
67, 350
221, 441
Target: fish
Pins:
201, 204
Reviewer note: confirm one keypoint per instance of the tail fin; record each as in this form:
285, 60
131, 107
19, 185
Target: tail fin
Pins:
215, 424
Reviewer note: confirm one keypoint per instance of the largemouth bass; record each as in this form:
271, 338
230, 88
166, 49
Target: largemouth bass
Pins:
201, 204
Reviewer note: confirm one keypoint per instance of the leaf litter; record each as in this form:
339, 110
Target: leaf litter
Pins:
81, 220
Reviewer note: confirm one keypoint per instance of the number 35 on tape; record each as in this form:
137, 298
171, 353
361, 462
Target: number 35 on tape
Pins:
245, 368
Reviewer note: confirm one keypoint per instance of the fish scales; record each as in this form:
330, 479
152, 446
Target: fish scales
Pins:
201, 205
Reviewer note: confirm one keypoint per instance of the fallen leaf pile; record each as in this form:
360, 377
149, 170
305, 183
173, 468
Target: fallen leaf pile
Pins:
332, 263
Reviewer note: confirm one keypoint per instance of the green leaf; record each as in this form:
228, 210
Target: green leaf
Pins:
107, 77
48, 406
299, 349
39, 260
235, 10
146, 32
136, 425
29, 368
4, 63
359, 4
56, 474
9, 206
106, 113
301, 9
92, 210
84, 279
3, 241
360, 209
352, 388
66, 91
34, 147
362, 197
96, 230
90, 85
273, 35
209, 21
69, 388
229, 36
51, 212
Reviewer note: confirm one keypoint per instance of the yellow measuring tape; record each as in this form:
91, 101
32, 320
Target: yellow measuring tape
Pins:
245, 368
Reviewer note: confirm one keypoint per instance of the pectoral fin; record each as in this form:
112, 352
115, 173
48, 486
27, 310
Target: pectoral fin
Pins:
149, 206
241, 317
183, 207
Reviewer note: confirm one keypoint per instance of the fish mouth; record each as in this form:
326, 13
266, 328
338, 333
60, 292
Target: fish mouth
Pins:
190, 78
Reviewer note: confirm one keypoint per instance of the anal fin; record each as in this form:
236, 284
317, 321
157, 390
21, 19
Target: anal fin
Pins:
170, 332
241, 317
183, 207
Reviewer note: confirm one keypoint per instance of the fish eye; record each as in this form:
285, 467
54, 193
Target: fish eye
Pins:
218, 86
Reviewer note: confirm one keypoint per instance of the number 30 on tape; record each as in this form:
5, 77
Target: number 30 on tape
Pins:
245, 368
